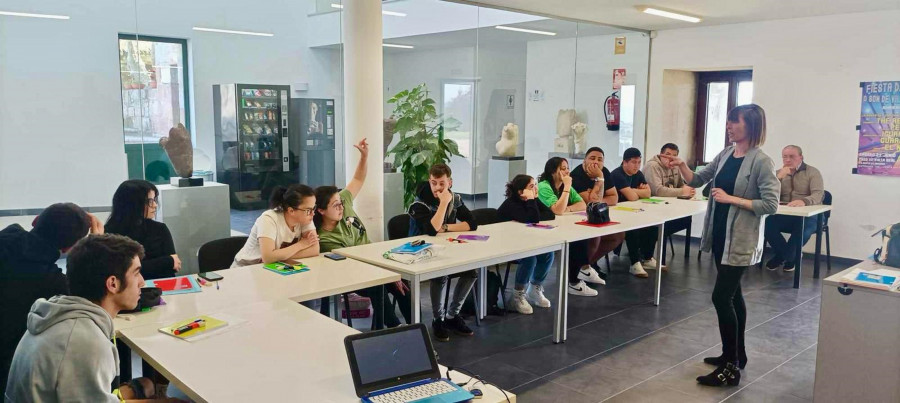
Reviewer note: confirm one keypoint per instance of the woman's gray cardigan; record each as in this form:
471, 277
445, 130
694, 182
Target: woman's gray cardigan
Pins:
745, 231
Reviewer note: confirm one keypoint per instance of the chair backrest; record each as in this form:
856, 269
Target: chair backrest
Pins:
827, 201
219, 254
398, 227
486, 216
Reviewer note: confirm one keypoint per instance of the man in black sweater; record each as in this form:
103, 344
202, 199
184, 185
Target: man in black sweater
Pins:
28, 269
437, 210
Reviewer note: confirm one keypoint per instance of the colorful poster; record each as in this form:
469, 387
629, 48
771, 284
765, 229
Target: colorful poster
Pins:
879, 129
618, 78
620, 45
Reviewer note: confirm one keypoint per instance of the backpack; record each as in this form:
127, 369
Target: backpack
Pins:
889, 252
493, 297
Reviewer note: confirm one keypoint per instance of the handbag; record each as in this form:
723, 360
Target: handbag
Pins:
597, 213
150, 297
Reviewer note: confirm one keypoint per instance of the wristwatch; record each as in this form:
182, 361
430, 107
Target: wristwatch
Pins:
444, 227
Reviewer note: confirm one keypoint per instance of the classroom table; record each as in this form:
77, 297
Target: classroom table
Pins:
280, 351
802, 213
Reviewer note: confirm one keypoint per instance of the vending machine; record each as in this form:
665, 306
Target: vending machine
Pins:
314, 119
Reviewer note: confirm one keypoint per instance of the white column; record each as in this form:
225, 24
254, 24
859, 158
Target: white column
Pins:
363, 106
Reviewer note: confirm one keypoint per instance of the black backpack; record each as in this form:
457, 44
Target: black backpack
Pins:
889, 252
597, 213
493, 297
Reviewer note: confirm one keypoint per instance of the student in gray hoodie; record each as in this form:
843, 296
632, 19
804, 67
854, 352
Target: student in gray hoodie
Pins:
744, 191
68, 353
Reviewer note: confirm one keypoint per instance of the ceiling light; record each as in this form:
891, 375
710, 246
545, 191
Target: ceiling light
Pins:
530, 31
392, 45
384, 12
669, 14
228, 31
50, 16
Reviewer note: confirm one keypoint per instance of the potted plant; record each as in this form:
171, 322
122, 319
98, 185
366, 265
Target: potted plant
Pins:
422, 143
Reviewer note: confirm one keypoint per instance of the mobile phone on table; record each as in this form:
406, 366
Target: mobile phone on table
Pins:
210, 276
685, 197
334, 256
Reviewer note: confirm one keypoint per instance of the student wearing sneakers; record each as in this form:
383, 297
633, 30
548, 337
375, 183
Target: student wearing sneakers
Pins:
555, 191
632, 185
285, 231
593, 183
801, 185
437, 210
521, 205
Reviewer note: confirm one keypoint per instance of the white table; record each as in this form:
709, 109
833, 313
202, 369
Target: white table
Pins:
802, 213
283, 352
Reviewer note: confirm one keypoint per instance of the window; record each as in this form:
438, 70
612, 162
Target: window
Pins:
154, 87
717, 93
458, 108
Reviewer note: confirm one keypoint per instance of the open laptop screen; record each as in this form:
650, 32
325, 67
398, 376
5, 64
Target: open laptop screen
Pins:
392, 355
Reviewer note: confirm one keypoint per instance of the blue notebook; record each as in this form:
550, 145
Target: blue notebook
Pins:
876, 279
408, 249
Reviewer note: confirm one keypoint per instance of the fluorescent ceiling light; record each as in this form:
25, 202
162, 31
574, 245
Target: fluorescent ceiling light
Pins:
392, 45
228, 31
50, 16
530, 31
384, 12
669, 14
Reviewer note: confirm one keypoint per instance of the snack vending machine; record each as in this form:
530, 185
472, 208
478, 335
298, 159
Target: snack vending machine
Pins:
314, 120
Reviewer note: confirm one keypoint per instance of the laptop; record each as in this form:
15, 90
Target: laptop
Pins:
398, 365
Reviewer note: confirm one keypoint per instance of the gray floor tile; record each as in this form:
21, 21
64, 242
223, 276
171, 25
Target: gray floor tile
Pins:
761, 393
502, 375
653, 393
543, 390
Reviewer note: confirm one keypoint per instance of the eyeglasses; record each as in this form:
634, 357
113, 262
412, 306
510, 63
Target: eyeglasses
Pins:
308, 211
153, 200
338, 205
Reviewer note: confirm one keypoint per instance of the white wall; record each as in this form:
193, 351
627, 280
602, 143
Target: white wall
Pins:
806, 74
60, 106
679, 112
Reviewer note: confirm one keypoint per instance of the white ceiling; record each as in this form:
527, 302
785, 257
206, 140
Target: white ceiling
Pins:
714, 12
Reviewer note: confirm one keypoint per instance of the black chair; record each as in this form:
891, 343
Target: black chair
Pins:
219, 254
825, 230
487, 216
398, 227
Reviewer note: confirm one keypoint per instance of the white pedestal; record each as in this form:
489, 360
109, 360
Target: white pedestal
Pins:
393, 197
195, 216
500, 171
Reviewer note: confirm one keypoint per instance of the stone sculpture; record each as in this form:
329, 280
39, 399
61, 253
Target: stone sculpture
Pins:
180, 150
580, 129
564, 121
509, 140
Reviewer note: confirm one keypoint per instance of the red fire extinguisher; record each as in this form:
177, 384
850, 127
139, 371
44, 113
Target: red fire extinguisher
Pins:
612, 112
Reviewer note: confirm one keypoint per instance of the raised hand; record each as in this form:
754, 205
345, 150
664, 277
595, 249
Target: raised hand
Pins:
363, 148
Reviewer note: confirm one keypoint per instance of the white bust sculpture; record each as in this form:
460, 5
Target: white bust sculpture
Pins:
580, 129
564, 121
509, 140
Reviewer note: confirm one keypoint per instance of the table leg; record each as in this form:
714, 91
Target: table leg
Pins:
819, 221
687, 238
798, 254
660, 250
379, 308
562, 299
481, 310
414, 289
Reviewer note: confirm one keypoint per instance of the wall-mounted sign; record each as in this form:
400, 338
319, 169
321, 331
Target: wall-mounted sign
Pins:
620, 45
618, 78
879, 129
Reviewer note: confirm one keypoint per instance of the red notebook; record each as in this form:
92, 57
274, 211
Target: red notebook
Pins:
606, 224
174, 285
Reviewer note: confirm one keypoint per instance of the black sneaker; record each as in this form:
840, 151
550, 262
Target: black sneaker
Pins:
774, 263
788, 266
458, 325
439, 330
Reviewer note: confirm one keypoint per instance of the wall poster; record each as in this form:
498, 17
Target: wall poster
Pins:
879, 129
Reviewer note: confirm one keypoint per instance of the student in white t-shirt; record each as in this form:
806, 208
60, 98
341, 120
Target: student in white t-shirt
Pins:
285, 231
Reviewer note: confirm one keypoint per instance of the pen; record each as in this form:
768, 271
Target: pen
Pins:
190, 326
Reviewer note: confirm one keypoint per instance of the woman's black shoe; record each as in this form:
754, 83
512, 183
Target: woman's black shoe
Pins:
719, 361
727, 374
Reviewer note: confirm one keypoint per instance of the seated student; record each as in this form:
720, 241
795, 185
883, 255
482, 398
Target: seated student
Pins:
285, 231
437, 210
667, 182
632, 186
801, 185
133, 210
339, 227
28, 269
521, 205
555, 192
68, 354
593, 183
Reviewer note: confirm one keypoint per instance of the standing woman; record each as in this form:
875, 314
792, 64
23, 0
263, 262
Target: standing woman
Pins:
285, 231
133, 211
744, 190
555, 191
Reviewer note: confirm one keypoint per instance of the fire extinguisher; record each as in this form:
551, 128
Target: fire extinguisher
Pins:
612, 112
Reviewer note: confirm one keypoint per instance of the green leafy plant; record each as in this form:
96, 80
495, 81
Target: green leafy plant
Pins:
422, 143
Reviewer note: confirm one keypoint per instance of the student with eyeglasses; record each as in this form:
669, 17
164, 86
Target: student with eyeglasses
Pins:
285, 231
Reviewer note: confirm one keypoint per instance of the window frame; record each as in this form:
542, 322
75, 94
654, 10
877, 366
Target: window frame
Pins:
703, 80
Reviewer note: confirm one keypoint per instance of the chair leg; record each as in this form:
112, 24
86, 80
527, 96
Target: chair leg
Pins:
347, 309
828, 248
447, 296
672, 245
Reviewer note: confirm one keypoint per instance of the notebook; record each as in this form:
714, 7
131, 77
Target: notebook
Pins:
175, 285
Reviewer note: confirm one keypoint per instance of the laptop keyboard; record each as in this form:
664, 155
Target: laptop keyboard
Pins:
414, 393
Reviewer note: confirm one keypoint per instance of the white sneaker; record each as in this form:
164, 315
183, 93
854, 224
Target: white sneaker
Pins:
582, 289
535, 295
590, 275
518, 303
638, 270
650, 263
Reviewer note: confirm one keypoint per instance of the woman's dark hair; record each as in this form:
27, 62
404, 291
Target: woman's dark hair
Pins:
520, 182
129, 201
550, 168
62, 224
93, 259
291, 196
754, 122
323, 196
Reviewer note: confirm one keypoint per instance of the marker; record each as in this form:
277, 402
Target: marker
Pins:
190, 326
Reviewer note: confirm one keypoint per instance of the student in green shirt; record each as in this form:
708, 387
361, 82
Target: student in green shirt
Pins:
339, 226
555, 191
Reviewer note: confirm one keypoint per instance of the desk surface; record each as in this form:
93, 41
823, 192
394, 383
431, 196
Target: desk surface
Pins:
805, 211
283, 352
652, 215
249, 284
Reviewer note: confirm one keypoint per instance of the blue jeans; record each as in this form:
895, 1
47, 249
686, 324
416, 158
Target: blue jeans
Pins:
778, 224
533, 269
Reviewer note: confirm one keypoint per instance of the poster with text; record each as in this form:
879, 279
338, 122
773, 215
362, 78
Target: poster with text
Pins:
879, 129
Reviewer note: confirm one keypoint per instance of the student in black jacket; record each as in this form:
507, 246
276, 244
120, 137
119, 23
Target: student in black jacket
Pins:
133, 209
438, 210
521, 205
28, 269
